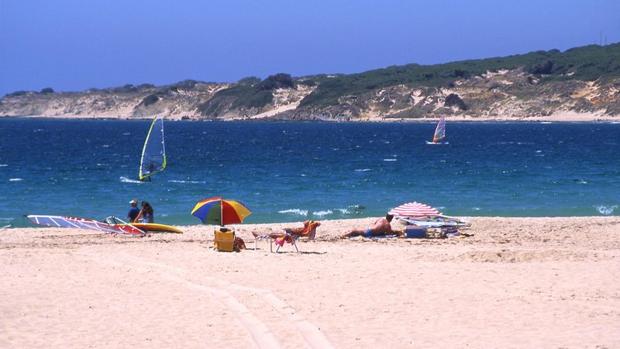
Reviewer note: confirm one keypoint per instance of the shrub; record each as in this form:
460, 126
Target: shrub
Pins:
17, 93
273, 82
542, 68
249, 81
47, 90
454, 100
149, 100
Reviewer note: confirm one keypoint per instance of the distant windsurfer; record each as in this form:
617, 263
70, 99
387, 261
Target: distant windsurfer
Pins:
151, 168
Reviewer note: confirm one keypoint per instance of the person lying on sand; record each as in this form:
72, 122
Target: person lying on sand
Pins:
379, 228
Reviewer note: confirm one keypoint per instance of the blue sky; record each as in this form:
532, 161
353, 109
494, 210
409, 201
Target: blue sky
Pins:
73, 44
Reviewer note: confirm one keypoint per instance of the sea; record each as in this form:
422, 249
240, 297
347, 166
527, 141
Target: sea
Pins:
292, 171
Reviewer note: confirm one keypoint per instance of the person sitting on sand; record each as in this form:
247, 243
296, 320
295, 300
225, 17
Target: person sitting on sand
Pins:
379, 228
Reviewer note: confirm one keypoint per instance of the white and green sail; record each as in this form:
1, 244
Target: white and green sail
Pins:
440, 131
153, 158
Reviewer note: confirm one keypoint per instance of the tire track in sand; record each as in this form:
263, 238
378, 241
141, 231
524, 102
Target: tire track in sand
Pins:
260, 333
262, 336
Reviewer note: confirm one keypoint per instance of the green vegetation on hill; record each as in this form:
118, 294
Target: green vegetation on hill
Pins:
583, 63
248, 93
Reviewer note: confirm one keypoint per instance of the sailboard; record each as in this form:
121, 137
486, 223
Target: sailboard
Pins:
83, 223
439, 137
147, 227
153, 159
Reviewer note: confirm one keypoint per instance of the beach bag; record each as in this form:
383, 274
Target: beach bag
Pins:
415, 232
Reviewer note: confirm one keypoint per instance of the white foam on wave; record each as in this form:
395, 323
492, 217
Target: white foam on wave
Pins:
390, 160
606, 210
322, 213
362, 169
296, 211
185, 182
126, 133
343, 210
15, 179
4, 165
476, 208
129, 180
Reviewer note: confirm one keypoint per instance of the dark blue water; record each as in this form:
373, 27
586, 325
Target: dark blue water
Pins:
290, 171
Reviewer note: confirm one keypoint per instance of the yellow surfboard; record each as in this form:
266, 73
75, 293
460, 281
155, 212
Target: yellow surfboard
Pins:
156, 228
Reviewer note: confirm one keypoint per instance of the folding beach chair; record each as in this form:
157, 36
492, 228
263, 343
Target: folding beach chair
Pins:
288, 236
278, 238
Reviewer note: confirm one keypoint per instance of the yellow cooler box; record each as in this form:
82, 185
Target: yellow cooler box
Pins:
224, 239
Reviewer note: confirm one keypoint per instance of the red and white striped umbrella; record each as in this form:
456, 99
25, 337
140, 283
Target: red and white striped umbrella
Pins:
414, 209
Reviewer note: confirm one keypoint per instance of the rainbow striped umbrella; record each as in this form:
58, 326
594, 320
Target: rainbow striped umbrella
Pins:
414, 209
218, 211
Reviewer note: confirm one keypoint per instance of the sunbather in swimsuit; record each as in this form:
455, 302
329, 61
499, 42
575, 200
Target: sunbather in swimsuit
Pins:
380, 227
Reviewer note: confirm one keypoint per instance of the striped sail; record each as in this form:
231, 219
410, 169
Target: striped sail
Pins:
82, 223
153, 159
440, 131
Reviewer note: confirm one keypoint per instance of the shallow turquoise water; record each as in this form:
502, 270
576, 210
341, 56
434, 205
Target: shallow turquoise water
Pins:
292, 171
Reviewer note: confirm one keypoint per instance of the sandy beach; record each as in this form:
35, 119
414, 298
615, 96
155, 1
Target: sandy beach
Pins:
515, 283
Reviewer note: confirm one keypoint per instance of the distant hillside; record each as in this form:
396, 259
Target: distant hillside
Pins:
582, 80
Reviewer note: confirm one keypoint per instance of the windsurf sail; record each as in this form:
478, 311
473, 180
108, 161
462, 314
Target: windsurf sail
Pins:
82, 223
440, 131
153, 159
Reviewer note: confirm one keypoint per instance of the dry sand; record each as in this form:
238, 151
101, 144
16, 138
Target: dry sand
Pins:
517, 282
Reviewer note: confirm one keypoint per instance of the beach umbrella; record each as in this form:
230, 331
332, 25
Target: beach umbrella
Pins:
218, 211
414, 209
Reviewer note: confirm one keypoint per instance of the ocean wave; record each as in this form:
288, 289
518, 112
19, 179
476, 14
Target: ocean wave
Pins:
129, 180
126, 133
295, 211
186, 182
15, 179
362, 169
4, 165
6, 219
390, 160
606, 210
322, 213
343, 210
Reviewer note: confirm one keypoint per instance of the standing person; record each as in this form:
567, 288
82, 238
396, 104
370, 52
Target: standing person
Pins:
146, 213
133, 210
